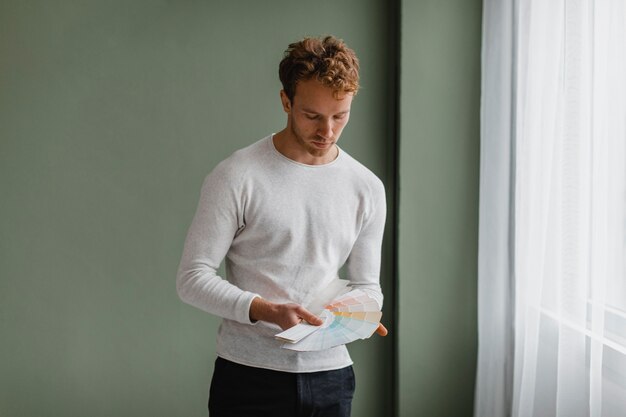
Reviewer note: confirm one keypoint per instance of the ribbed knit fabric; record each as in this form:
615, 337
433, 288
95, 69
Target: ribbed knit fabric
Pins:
284, 229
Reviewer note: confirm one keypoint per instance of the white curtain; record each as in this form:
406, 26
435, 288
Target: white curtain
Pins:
552, 238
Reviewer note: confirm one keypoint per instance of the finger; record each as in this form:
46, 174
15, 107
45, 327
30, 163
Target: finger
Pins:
309, 317
381, 330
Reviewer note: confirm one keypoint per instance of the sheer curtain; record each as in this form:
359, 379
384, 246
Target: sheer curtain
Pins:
552, 238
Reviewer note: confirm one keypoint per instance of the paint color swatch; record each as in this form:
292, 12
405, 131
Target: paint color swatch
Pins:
352, 316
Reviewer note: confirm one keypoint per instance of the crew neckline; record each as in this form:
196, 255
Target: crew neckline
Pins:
286, 158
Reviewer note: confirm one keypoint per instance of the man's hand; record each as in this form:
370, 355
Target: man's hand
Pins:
288, 315
284, 315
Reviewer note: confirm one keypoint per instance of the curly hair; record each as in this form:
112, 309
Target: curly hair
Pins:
329, 60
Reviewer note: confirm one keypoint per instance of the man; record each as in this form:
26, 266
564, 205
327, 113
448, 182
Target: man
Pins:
286, 213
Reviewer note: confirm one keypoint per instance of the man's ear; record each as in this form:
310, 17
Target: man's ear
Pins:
286, 102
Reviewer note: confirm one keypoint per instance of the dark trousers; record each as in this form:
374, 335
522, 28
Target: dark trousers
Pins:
243, 391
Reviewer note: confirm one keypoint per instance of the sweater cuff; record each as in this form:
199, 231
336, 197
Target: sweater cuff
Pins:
242, 309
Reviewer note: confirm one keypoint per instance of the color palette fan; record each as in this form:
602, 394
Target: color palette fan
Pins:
352, 316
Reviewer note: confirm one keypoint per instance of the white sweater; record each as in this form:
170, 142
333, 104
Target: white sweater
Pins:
285, 229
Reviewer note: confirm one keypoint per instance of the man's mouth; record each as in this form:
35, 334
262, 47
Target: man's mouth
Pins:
322, 145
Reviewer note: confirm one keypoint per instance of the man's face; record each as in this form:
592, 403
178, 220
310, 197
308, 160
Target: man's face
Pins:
316, 117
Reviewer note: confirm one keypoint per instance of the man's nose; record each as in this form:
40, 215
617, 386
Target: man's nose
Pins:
326, 129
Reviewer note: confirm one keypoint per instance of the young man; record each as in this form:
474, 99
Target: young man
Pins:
286, 213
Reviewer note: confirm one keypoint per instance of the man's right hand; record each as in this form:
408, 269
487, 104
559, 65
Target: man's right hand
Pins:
284, 315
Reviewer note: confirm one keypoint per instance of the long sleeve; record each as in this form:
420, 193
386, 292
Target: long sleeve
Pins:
363, 264
218, 218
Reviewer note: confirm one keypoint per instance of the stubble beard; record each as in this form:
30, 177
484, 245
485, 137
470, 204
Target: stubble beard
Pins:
310, 149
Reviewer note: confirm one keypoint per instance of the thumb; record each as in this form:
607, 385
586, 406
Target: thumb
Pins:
309, 317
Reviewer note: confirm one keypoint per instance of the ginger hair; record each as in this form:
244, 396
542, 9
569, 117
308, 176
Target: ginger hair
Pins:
328, 59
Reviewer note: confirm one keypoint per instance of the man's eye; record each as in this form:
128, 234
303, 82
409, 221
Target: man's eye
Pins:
311, 117
340, 116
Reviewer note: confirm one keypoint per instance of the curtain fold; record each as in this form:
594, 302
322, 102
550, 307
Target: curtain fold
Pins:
552, 234
497, 167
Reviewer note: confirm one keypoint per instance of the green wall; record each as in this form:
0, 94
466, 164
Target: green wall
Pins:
438, 210
111, 114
